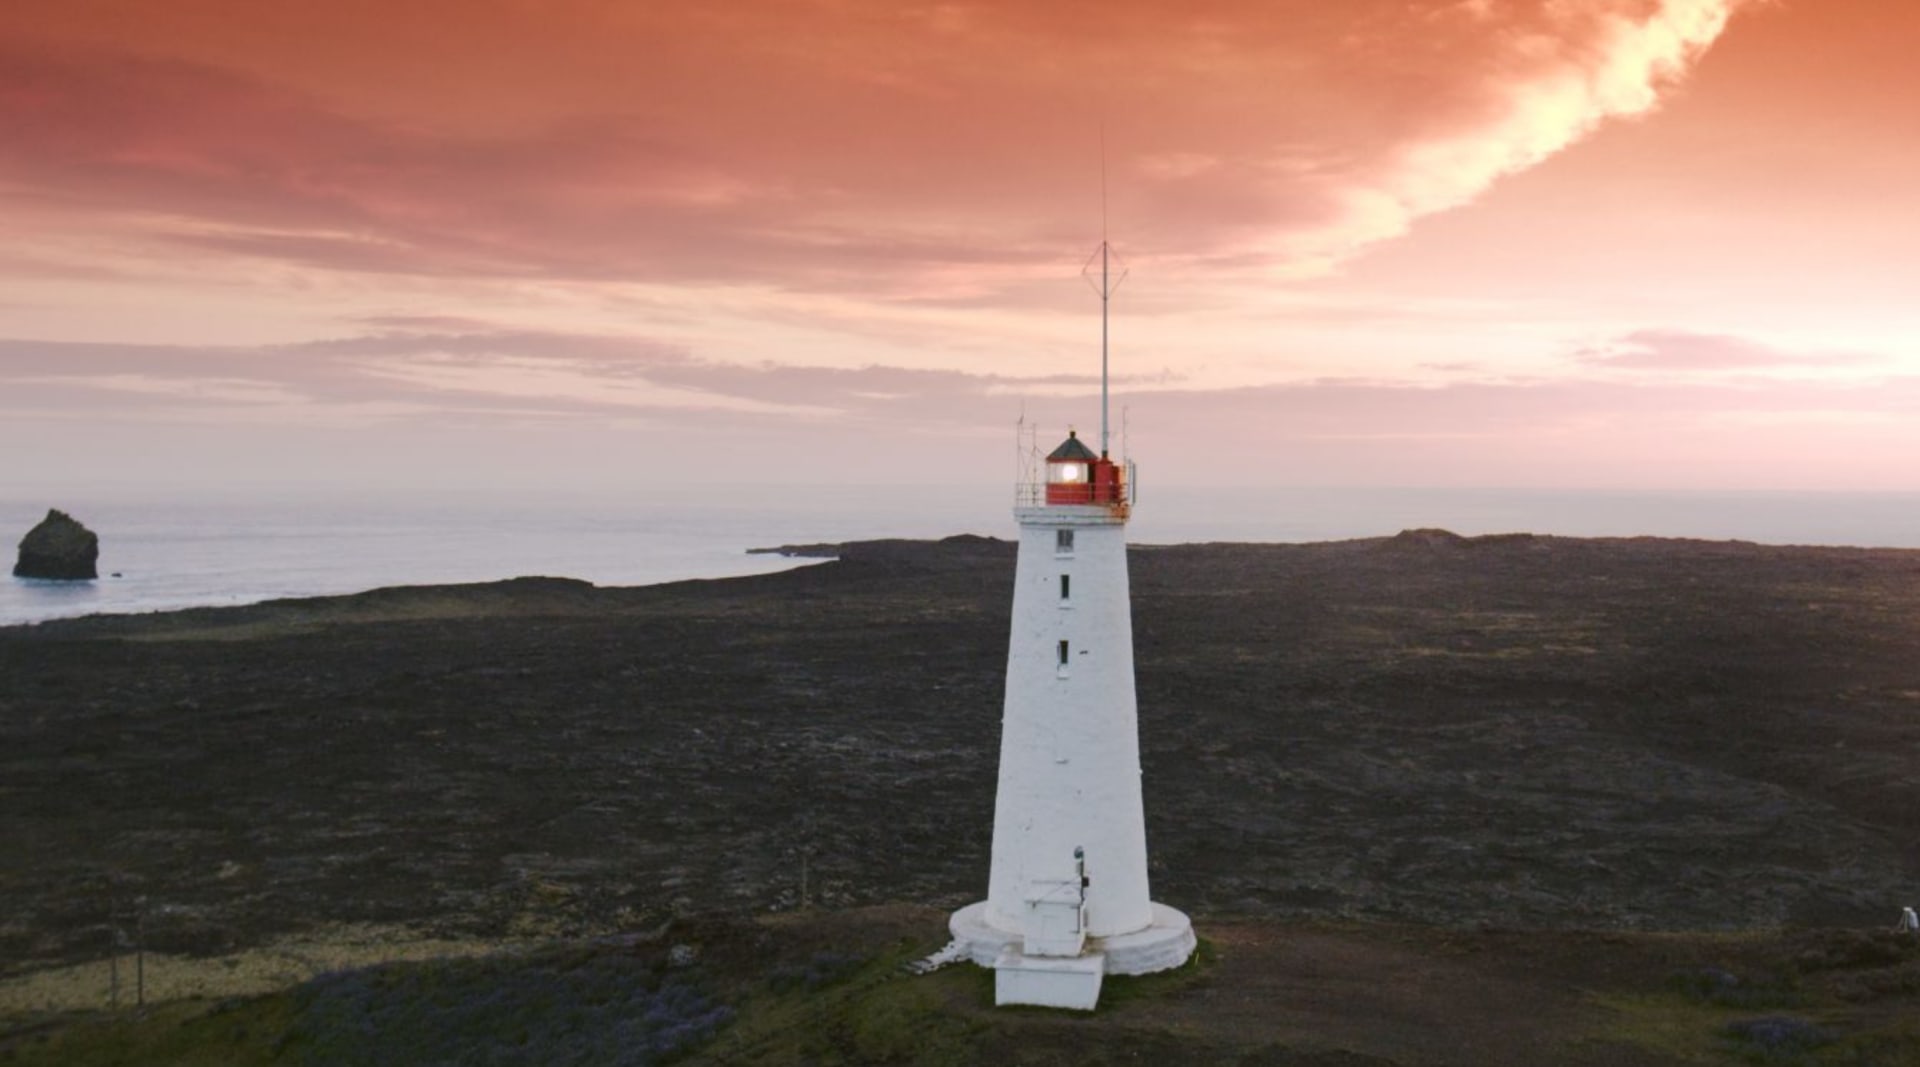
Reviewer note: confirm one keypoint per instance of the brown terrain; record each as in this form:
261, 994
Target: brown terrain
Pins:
1432, 740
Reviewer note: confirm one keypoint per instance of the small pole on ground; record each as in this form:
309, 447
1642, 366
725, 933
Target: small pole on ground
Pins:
140, 952
116, 940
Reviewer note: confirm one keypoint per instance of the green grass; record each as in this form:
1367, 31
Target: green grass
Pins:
565, 1006
870, 1014
191, 1033
877, 1015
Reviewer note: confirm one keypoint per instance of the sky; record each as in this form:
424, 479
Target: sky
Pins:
1610, 244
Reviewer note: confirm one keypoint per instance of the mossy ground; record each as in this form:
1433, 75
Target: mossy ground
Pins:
1841, 998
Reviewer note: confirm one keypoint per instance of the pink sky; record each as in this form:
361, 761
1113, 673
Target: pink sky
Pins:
1612, 243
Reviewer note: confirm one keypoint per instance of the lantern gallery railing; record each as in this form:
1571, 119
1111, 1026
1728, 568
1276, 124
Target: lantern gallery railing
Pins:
1117, 492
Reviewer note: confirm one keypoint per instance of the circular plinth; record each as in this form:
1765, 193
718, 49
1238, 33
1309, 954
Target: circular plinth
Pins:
1161, 946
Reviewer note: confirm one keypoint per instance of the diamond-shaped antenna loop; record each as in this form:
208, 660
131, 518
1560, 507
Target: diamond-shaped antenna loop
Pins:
1104, 276
1091, 272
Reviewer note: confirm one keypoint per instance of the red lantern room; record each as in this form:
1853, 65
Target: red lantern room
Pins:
1076, 476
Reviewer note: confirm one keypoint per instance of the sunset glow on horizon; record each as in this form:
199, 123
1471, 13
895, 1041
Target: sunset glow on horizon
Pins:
1638, 244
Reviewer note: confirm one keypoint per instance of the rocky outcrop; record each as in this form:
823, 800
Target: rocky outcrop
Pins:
1426, 537
58, 548
822, 550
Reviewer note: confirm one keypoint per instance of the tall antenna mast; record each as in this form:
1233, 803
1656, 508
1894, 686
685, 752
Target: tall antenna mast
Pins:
1105, 287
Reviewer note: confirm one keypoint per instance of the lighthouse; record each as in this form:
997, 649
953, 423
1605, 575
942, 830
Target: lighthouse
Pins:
1067, 897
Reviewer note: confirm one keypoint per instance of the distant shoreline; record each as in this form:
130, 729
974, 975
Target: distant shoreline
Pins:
799, 555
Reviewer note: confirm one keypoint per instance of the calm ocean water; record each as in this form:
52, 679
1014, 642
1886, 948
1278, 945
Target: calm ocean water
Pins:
185, 550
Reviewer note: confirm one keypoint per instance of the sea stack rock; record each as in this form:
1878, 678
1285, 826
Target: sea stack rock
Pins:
58, 548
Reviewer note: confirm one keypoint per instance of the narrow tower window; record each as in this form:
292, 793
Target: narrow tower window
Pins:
1063, 655
1066, 587
1063, 540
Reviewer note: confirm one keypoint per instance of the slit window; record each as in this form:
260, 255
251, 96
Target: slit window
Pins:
1066, 587
1063, 655
1063, 540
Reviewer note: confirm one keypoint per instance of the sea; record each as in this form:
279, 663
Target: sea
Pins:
163, 550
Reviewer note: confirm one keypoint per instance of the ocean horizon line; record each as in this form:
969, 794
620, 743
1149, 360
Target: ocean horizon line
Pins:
180, 550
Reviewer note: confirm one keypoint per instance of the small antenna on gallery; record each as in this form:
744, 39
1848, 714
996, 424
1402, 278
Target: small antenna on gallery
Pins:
1104, 285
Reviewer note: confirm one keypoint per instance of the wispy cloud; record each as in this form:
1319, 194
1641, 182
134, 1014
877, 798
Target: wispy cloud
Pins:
520, 371
585, 374
406, 391
1682, 350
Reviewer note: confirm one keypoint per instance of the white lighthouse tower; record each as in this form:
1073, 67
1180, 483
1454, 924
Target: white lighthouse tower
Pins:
1067, 899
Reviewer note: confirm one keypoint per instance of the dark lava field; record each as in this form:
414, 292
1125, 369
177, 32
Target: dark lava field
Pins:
1501, 732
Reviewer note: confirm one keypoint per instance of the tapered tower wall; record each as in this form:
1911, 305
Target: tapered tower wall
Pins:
1070, 750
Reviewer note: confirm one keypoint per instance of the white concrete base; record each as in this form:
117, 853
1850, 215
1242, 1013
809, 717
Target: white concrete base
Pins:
1048, 981
1162, 946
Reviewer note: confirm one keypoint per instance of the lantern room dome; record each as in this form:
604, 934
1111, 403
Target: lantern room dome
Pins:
1072, 451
